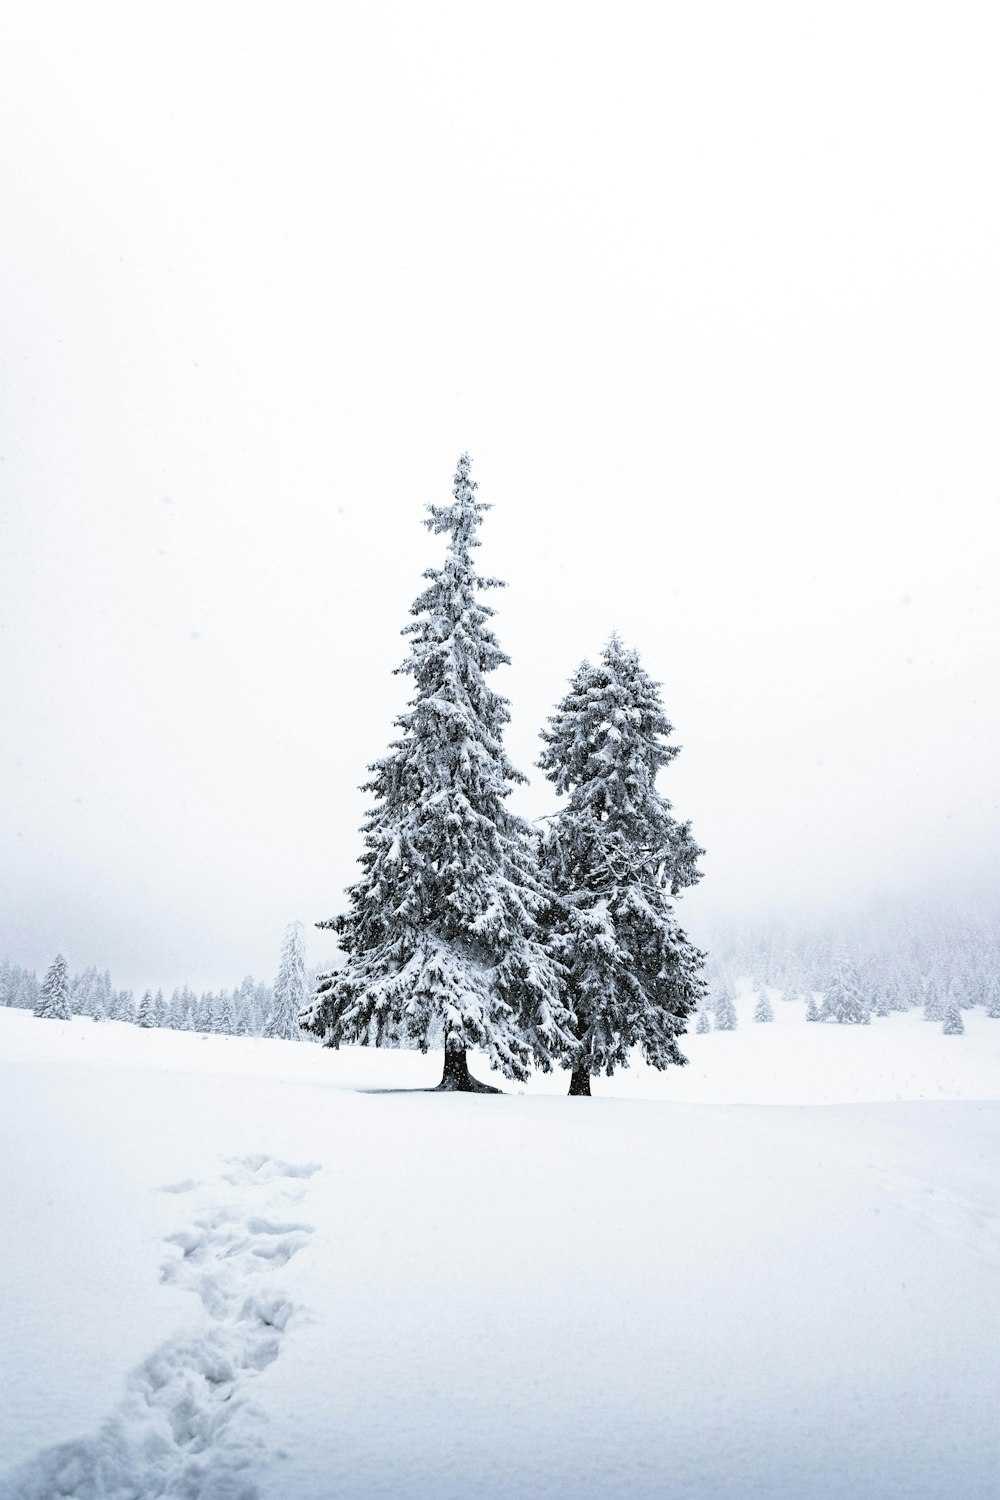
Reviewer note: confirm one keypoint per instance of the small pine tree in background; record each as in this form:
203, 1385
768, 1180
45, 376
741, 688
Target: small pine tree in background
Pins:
243, 1004
725, 1009
144, 1015
953, 1025
993, 997
704, 1022
81, 992
933, 1003
161, 1012
843, 998
812, 1009
763, 1010
226, 1013
289, 987
124, 1006
53, 1001
98, 1013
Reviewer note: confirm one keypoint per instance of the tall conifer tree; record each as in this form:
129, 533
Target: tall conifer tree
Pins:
53, 1000
616, 855
441, 936
289, 987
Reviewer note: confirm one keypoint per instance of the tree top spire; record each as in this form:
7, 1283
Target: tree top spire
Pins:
464, 515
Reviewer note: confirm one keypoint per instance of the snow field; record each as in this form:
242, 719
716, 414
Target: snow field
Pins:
498, 1297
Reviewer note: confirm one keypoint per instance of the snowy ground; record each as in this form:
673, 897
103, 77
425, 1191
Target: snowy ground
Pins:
226, 1271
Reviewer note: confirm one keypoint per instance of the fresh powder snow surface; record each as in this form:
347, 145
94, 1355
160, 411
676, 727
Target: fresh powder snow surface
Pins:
232, 1268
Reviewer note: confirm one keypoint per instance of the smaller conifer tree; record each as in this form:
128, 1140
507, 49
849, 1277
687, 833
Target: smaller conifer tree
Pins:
227, 1013
993, 998
289, 987
725, 1009
53, 1000
933, 1003
843, 999
124, 1006
953, 1025
763, 1010
615, 856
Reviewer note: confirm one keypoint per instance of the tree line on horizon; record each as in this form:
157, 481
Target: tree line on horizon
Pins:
252, 1008
865, 968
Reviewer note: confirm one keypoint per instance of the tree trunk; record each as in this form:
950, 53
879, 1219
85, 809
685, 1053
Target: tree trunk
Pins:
579, 1082
456, 1078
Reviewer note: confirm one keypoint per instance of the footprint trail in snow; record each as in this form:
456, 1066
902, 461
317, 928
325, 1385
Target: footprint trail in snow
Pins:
184, 1428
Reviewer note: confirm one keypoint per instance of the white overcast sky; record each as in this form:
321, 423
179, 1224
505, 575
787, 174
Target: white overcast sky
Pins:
710, 292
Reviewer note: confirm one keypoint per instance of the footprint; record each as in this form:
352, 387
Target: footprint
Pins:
258, 1168
176, 1431
280, 1252
268, 1226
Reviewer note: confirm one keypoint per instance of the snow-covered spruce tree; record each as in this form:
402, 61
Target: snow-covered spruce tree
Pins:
53, 1000
725, 1009
441, 937
225, 1016
993, 997
953, 1024
80, 1002
614, 856
144, 1016
843, 999
958, 994
812, 1009
289, 987
123, 1006
704, 1022
933, 1002
763, 1010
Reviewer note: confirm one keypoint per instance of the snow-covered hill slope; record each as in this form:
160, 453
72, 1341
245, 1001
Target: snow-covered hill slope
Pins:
226, 1271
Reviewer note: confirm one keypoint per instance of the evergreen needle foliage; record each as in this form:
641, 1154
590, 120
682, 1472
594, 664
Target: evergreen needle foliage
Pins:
763, 1010
953, 1023
53, 1000
725, 1009
289, 987
441, 935
844, 998
614, 856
